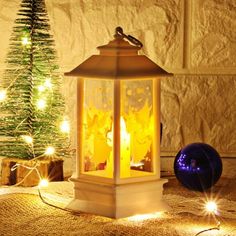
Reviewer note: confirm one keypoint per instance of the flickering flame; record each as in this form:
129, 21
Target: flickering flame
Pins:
124, 149
125, 136
124, 133
50, 151
3, 95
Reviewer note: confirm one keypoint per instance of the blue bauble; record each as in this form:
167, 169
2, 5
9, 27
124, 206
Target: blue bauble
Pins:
198, 166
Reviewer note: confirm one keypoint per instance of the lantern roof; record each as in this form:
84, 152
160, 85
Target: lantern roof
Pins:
118, 60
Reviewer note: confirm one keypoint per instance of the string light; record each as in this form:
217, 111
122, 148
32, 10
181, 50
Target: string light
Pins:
41, 88
43, 183
27, 139
3, 95
41, 104
49, 151
211, 207
25, 41
65, 127
48, 83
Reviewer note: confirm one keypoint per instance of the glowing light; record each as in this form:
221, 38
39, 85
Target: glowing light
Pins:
211, 207
125, 150
3, 95
41, 104
43, 183
65, 127
50, 151
48, 83
143, 217
27, 139
41, 88
25, 41
138, 164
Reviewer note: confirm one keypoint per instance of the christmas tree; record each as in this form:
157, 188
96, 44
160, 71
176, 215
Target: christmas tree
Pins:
32, 122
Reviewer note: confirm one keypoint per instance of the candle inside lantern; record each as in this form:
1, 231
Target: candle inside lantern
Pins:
125, 150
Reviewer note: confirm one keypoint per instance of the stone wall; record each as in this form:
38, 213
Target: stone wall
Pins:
195, 39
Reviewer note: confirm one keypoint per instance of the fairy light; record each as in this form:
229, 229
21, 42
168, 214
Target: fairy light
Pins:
211, 207
25, 41
43, 183
3, 95
27, 139
41, 88
65, 126
49, 151
48, 83
41, 104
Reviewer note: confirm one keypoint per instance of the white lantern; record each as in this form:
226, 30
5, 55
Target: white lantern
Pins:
118, 161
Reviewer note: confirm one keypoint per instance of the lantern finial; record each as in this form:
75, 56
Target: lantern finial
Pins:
120, 34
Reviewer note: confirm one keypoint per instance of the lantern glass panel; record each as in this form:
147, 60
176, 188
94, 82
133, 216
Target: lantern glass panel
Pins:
136, 128
98, 112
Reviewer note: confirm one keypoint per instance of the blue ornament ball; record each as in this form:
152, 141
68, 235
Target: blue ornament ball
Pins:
198, 166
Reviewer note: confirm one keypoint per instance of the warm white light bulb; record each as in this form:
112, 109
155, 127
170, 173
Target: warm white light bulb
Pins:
3, 95
48, 83
27, 139
41, 104
65, 126
43, 183
25, 41
41, 88
50, 151
211, 207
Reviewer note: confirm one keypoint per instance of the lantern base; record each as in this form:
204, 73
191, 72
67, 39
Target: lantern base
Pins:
118, 201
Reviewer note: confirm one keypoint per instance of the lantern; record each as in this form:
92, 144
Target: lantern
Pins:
118, 112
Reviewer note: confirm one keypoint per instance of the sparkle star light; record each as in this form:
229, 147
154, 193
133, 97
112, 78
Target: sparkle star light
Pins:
211, 207
49, 151
25, 41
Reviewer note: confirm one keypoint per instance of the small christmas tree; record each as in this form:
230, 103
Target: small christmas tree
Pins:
32, 122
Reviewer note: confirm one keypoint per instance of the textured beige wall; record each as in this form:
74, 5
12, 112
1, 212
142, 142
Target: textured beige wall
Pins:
188, 37
213, 33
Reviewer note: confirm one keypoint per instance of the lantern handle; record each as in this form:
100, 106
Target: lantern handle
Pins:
131, 39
